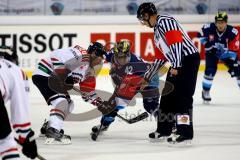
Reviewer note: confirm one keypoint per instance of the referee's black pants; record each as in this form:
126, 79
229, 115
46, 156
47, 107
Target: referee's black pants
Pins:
176, 107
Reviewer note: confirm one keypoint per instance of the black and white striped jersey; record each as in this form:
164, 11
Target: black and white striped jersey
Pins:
173, 41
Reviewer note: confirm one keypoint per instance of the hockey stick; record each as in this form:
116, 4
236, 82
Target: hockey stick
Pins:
138, 118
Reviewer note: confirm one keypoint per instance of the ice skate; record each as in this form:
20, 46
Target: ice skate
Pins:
53, 136
206, 96
97, 130
157, 137
179, 140
44, 128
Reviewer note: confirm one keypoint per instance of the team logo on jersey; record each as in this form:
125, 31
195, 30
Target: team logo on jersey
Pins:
211, 37
75, 54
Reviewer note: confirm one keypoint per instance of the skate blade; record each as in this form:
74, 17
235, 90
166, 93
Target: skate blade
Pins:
100, 133
158, 140
186, 143
41, 135
52, 141
206, 102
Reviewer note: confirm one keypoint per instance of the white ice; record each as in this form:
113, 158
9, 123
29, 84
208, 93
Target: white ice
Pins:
217, 129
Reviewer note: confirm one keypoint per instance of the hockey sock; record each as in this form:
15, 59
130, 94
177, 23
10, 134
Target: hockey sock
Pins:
207, 82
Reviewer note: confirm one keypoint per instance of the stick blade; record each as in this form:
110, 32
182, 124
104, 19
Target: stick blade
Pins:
140, 117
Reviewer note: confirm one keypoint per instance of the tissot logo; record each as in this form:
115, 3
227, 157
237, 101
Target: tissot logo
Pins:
37, 43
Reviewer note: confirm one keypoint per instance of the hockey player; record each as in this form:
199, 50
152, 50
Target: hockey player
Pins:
176, 46
13, 89
126, 71
77, 64
9, 54
221, 43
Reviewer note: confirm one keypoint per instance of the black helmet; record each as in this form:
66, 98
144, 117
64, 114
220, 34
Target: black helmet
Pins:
146, 8
221, 16
122, 49
9, 53
98, 47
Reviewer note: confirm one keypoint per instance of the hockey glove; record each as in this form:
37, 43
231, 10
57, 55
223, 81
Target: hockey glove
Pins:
59, 83
77, 77
154, 68
106, 107
29, 147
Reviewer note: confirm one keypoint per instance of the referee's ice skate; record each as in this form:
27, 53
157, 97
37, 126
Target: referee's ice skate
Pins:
120, 80
179, 140
157, 137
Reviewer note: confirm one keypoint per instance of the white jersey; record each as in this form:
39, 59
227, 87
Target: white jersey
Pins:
71, 58
13, 88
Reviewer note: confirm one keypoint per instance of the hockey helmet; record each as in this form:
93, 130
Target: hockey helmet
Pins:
221, 16
146, 8
9, 53
122, 53
98, 47
122, 49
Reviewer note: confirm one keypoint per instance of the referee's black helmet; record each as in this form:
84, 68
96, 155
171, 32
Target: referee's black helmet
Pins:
147, 7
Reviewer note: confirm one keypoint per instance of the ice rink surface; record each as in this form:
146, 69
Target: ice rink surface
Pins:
217, 129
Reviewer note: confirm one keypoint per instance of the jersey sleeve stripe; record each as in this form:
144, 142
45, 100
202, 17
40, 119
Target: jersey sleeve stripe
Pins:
46, 63
54, 59
44, 68
9, 150
21, 125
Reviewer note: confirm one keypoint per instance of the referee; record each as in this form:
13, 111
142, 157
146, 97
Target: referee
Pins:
175, 111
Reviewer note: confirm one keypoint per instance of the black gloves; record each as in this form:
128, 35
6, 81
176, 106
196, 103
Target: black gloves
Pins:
29, 147
60, 83
106, 107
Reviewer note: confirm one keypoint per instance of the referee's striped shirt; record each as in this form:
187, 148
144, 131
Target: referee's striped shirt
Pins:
173, 41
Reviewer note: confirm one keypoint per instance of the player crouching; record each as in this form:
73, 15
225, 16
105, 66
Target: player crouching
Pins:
127, 71
73, 65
